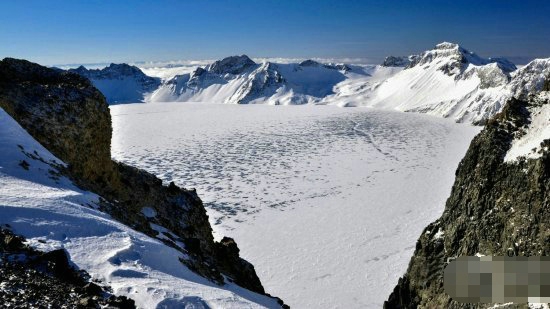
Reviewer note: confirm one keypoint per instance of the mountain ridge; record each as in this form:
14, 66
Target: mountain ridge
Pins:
446, 81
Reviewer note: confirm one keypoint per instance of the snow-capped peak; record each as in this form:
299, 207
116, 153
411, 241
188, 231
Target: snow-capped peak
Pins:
231, 65
531, 78
120, 83
453, 59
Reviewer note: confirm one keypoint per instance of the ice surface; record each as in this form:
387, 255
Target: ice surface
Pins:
326, 202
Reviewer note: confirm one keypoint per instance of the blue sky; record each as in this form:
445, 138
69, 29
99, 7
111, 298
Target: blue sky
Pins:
61, 32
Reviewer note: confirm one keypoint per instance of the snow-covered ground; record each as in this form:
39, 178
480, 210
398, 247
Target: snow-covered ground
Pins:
53, 213
326, 202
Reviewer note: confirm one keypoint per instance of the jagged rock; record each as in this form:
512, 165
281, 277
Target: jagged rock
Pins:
263, 81
241, 272
64, 112
231, 65
496, 208
34, 279
71, 118
331, 66
392, 61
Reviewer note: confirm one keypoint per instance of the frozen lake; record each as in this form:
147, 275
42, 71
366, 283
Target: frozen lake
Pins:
326, 202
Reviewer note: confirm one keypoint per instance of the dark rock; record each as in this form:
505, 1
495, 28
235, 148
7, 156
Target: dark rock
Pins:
392, 61
47, 280
241, 271
63, 111
231, 65
93, 289
309, 63
495, 208
24, 164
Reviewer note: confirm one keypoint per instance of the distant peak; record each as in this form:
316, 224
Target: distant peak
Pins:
309, 63
232, 65
393, 61
447, 45
456, 58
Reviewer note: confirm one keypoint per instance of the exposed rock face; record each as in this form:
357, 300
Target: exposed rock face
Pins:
31, 278
263, 82
231, 65
331, 66
392, 61
67, 115
64, 112
495, 208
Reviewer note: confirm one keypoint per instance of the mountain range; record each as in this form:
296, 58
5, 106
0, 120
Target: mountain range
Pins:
447, 81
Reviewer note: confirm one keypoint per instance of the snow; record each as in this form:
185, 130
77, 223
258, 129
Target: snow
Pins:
315, 196
538, 130
123, 90
149, 212
447, 81
469, 94
52, 213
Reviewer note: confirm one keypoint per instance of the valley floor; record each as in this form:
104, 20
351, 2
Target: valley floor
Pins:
326, 202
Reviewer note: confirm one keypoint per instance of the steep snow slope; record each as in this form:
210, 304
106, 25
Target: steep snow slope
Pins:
52, 213
121, 83
325, 201
448, 81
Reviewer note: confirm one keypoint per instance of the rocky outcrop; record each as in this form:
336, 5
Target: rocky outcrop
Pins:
496, 207
64, 112
392, 61
262, 82
70, 117
331, 66
36, 279
231, 65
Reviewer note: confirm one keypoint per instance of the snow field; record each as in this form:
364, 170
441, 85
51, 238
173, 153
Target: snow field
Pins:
326, 202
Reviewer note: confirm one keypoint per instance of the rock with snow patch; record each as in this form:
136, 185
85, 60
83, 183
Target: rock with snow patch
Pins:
499, 202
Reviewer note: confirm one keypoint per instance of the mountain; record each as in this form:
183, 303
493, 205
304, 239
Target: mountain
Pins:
447, 81
392, 61
61, 190
499, 201
240, 80
121, 83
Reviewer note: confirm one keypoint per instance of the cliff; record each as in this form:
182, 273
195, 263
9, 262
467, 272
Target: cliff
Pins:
499, 204
71, 118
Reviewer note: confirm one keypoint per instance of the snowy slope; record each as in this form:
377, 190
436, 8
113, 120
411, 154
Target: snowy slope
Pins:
238, 79
448, 81
51, 212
